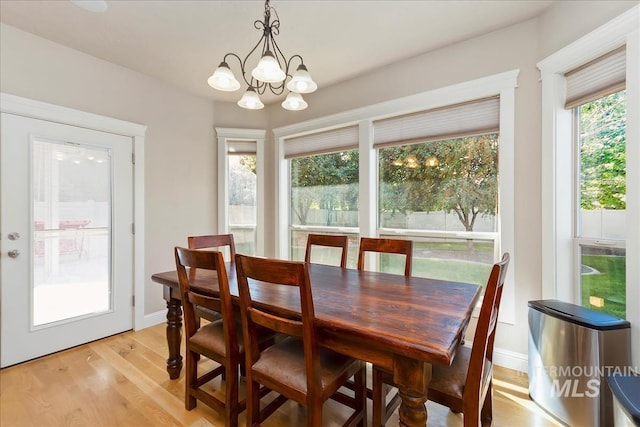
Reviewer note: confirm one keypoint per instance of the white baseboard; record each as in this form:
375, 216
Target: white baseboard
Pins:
151, 320
510, 359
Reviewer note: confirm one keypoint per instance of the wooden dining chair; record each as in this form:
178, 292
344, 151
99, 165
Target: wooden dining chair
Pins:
329, 240
296, 367
210, 241
389, 246
466, 385
220, 340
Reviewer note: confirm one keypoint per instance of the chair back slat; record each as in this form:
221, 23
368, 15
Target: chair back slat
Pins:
205, 301
389, 246
211, 241
330, 240
276, 323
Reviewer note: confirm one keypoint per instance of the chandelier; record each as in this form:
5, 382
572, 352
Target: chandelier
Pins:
268, 73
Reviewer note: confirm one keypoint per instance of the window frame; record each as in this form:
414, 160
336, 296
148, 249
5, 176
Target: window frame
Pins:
502, 85
224, 135
558, 176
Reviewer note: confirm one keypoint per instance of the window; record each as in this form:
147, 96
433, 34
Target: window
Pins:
411, 131
324, 196
438, 185
591, 179
243, 201
240, 191
600, 195
444, 196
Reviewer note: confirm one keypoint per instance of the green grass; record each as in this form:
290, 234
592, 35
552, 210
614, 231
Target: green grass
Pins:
608, 285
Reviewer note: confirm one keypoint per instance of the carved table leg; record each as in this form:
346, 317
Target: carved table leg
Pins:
412, 377
174, 337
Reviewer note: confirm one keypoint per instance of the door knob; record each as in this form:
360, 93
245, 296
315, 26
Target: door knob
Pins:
14, 253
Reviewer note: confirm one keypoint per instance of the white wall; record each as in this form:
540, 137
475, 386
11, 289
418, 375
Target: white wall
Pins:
180, 150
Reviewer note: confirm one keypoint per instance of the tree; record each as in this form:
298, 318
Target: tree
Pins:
242, 181
602, 153
326, 181
455, 175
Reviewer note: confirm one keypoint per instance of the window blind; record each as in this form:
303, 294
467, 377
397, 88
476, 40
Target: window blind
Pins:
341, 139
452, 121
241, 147
601, 77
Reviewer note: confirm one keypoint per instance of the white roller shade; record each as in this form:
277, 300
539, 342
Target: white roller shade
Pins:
241, 147
341, 139
453, 121
601, 77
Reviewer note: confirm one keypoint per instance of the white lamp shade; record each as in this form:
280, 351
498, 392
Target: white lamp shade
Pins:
223, 79
268, 70
301, 82
250, 100
294, 102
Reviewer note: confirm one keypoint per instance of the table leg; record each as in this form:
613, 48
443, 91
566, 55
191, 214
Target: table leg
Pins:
412, 377
174, 337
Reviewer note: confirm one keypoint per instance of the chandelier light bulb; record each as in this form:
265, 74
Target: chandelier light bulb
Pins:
301, 82
294, 102
250, 100
268, 70
223, 79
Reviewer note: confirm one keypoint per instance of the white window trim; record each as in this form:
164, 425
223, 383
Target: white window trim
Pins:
557, 155
235, 134
502, 84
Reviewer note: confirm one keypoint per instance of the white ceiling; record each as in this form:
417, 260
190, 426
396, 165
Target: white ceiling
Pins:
182, 41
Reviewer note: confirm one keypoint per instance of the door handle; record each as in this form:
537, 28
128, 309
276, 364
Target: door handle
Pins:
14, 236
14, 253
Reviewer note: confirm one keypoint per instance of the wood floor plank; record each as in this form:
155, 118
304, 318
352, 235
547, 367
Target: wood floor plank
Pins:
121, 381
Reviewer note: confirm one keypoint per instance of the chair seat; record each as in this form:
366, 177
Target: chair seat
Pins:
285, 362
450, 380
210, 338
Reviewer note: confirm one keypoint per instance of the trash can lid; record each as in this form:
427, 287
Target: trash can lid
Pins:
579, 315
626, 388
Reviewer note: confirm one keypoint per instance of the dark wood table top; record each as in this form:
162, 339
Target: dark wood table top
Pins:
415, 317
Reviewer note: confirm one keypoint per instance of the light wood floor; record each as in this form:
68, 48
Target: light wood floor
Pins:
122, 381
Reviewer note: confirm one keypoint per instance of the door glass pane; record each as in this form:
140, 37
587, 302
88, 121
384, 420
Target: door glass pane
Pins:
602, 279
242, 202
71, 187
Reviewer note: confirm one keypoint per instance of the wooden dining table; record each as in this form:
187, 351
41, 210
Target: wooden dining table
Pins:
403, 324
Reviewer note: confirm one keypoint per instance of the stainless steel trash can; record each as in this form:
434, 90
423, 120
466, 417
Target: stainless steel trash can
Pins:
626, 399
572, 350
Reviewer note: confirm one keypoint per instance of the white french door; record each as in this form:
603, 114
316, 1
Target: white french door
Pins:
66, 215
